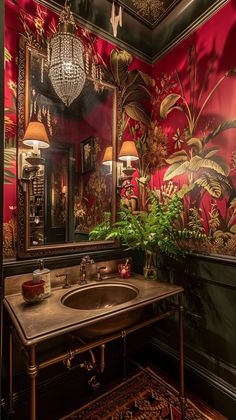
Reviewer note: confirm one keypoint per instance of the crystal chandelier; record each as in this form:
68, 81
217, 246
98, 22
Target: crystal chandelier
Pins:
65, 57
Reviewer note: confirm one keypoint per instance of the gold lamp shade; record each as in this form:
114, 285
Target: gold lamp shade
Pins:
36, 134
107, 158
128, 151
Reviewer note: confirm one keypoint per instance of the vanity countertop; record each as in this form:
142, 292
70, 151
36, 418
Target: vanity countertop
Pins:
50, 318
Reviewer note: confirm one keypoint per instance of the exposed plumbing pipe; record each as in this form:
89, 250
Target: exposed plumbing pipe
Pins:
102, 358
93, 363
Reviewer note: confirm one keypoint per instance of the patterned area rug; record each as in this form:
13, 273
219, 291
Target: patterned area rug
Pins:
145, 396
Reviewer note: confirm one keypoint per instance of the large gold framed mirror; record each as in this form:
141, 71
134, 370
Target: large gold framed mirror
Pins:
64, 193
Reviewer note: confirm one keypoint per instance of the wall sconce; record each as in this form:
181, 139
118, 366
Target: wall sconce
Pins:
128, 153
107, 158
37, 138
65, 57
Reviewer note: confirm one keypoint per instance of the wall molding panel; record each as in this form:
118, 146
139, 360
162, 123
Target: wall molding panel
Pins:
198, 378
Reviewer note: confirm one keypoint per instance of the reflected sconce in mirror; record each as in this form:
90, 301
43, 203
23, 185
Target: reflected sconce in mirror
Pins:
65, 57
37, 138
107, 158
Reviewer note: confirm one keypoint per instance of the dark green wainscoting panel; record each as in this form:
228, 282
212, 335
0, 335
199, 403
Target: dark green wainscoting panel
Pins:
210, 329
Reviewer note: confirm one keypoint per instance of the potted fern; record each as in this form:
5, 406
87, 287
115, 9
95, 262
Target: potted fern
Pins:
153, 232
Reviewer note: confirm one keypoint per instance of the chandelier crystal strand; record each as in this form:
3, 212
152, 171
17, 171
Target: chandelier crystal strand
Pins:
65, 56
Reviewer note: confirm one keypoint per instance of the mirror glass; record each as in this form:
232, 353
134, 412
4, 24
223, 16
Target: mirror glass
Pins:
64, 196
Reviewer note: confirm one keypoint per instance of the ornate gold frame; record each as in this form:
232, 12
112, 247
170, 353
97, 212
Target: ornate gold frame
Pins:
24, 249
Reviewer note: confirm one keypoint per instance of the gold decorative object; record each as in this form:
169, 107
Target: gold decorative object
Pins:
149, 8
65, 57
115, 19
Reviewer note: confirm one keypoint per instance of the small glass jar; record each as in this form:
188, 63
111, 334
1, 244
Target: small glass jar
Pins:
124, 270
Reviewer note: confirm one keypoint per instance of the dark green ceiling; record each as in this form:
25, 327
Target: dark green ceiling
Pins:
150, 27
149, 12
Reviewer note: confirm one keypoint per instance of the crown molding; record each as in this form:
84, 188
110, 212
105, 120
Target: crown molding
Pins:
99, 24
181, 24
142, 41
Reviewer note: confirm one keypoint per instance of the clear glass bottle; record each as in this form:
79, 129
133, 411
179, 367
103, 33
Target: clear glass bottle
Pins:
43, 273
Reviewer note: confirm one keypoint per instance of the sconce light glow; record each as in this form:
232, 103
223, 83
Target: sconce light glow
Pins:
107, 158
128, 152
36, 137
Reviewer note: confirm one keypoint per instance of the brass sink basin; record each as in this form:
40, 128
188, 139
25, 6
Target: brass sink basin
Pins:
100, 296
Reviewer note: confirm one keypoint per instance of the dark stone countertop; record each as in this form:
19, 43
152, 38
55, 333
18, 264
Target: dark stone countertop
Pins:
50, 318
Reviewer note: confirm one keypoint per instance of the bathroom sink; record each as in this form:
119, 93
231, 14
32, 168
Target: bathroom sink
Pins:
99, 296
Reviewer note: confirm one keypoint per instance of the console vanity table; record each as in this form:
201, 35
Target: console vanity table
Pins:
35, 324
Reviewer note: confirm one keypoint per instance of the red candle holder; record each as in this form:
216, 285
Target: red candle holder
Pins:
124, 270
33, 292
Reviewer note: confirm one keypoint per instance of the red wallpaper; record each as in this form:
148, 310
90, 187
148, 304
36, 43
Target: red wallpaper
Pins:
206, 86
190, 145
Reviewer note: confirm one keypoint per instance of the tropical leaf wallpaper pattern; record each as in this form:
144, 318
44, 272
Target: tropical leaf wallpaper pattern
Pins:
199, 163
181, 120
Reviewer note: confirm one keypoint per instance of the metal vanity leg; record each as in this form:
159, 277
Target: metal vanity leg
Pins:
102, 358
10, 410
32, 371
124, 336
181, 350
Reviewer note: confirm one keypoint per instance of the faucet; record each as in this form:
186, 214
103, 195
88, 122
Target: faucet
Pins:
99, 275
83, 268
66, 284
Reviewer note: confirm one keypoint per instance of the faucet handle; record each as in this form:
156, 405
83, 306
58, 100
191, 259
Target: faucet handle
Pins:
67, 284
99, 277
87, 260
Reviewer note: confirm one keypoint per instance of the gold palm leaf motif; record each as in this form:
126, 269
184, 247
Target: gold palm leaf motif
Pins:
133, 86
9, 159
205, 170
216, 186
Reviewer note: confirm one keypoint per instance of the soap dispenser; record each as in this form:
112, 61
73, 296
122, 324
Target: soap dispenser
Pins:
43, 273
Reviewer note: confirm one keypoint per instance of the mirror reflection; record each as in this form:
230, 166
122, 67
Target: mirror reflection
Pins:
64, 188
